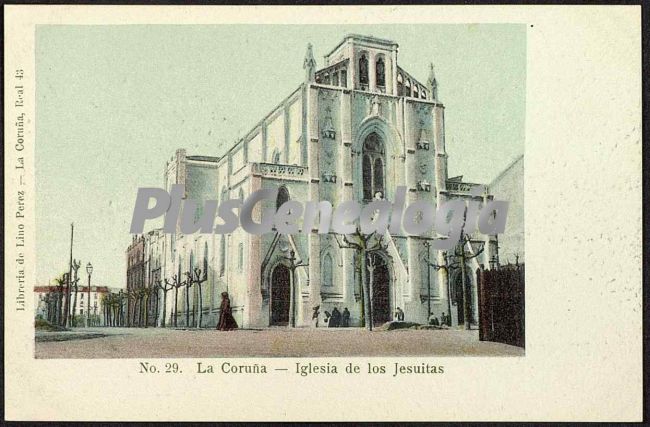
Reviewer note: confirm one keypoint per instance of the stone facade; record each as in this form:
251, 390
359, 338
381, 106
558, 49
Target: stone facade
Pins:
353, 130
509, 186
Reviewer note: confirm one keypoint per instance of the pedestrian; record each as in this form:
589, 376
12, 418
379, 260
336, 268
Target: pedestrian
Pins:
399, 314
345, 318
443, 319
335, 321
314, 316
226, 321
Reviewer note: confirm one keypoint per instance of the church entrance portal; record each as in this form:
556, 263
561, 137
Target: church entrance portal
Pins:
280, 296
380, 292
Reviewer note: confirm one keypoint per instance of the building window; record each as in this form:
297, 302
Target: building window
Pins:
373, 167
275, 158
241, 257
407, 88
378, 179
423, 94
327, 270
367, 178
400, 85
363, 69
335, 79
344, 78
222, 255
282, 198
326, 78
416, 93
381, 72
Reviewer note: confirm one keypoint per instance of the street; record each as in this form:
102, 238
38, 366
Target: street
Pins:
81, 343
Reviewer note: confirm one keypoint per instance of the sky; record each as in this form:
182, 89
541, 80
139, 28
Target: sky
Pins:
115, 102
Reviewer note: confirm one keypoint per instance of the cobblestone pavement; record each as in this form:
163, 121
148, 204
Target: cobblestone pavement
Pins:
271, 342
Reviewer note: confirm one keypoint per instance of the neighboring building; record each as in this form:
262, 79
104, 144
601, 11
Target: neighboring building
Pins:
509, 186
135, 279
43, 294
353, 130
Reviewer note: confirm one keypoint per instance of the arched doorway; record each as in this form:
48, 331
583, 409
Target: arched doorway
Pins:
457, 295
380, 291
280, 295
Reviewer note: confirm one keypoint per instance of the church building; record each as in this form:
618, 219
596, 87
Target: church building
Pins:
354, 129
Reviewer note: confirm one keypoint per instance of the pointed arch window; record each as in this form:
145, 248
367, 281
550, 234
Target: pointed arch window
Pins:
367, 177
407, 88
400, 85
327, 270
222, 241
378, 178
275, 157
381, 72
373, 166
282, 197
416, 92
363, 69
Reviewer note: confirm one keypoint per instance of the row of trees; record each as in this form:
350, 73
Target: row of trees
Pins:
142, 307
59, 310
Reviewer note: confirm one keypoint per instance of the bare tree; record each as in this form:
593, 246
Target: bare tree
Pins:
364, 244
168, 286
197, 278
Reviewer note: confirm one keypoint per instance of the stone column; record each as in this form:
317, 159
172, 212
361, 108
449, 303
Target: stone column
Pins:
313, 138
372, 73
253, 309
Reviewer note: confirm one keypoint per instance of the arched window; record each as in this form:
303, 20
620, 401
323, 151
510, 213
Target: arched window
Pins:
378, 179
363, 69
407, 88
275, 157
326, 78
283, 197
344, 77
381, 72
222, 241
335, 79
423, 94
416, 92
205, 259
240, 256
367, 178
327, 271
373, 167
400, 85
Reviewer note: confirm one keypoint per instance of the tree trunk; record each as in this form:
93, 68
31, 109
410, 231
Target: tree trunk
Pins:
74, 305
187, 305
200, 305
366, 294
164, 313
176, 307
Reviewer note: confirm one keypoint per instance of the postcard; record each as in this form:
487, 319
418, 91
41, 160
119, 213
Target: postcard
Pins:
258, 213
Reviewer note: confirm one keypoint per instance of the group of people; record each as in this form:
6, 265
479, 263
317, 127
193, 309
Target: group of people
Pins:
335, 319
444, 320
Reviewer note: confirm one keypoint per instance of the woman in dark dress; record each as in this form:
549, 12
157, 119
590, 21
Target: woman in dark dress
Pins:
226, 321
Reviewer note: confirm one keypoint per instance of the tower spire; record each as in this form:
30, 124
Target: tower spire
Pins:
309, 64
432, 83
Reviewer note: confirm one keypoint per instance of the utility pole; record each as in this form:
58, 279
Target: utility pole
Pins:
68, 286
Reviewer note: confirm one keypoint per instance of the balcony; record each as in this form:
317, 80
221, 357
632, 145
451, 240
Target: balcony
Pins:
273, 170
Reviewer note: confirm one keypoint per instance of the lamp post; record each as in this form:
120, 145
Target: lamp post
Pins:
89, 270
